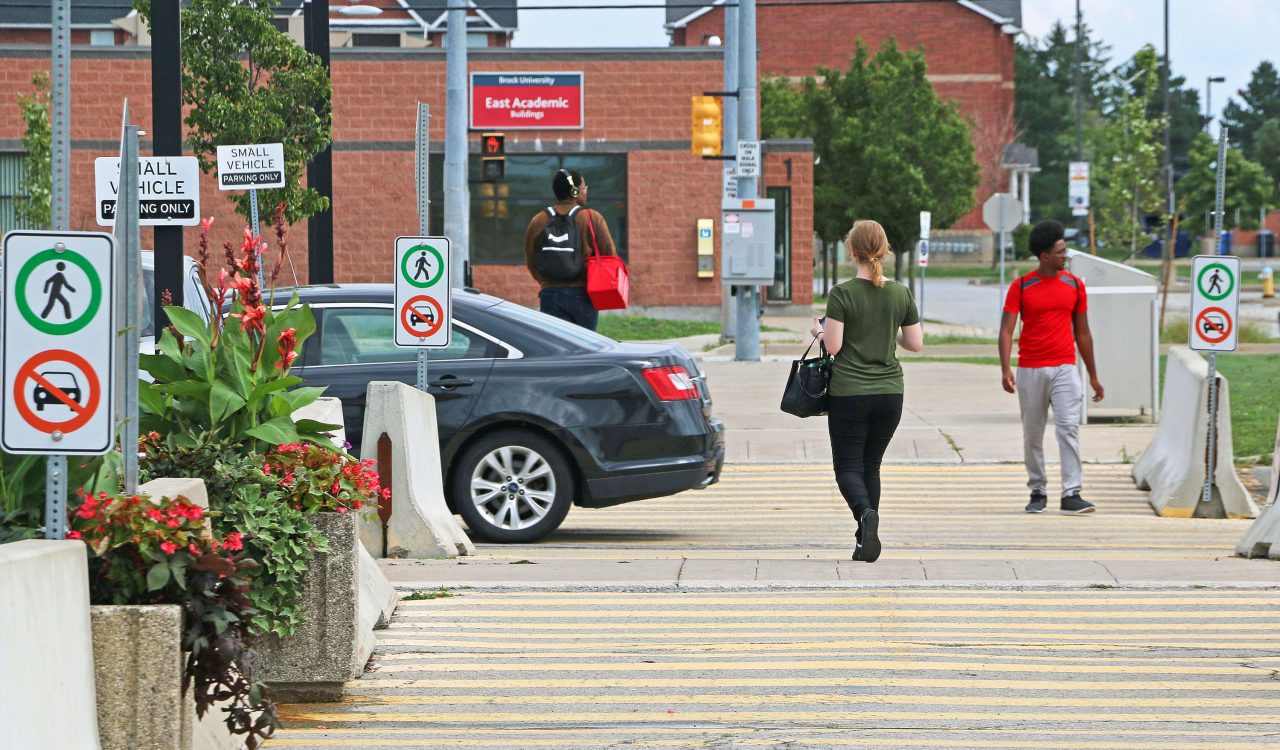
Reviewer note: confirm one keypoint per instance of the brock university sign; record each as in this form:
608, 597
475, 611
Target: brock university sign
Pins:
526, 101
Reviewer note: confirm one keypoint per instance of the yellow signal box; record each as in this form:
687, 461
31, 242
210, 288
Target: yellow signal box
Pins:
707, 123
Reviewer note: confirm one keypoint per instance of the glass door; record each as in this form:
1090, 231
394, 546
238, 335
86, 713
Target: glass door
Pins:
781, 287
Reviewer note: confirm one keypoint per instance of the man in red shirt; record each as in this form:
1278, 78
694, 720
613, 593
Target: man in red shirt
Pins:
1053, 307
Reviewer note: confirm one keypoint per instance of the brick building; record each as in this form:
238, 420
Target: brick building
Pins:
633, 147
968, 44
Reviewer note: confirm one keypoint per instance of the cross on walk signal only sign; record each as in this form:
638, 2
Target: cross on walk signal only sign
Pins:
424, 305
58, 344
1215, 303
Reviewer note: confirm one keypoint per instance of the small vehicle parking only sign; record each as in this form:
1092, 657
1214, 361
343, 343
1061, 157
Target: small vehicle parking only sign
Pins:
58, 343
1215, 303
423, 300
168, 190
252, 166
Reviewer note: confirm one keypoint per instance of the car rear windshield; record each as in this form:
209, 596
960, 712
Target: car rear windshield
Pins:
560, 328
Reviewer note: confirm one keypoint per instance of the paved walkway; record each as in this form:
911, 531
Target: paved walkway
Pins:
785, 525
915, 668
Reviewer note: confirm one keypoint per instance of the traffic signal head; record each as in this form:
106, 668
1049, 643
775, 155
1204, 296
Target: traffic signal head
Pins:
707, 123
493, 144
493, 156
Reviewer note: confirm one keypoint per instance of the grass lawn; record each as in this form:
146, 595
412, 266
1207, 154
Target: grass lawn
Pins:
1175, 332
1255, 402
639, 328
931, 339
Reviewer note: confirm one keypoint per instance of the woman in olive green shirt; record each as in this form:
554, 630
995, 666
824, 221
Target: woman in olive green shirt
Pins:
866, 320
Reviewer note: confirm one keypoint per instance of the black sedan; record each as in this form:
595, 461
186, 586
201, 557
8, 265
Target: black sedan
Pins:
535, 414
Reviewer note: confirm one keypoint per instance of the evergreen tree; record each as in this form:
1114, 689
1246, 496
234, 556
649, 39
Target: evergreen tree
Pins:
1044, 105
1247, 187
1259, 102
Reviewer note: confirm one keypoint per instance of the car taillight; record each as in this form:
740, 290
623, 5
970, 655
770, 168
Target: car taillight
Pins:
671, 383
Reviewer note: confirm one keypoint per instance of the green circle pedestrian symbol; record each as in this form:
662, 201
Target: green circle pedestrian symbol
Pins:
422, 266
1219, 284
55, 286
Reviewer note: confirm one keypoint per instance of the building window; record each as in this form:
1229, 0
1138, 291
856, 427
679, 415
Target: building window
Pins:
375, 40
281, 24
102, 38
11, 168
475, 40
500, 211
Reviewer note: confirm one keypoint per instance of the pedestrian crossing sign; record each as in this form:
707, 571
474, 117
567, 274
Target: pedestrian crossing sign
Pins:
1215, 303
423, 300
58, 343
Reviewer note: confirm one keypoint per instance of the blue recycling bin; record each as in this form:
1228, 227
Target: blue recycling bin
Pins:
1224, 242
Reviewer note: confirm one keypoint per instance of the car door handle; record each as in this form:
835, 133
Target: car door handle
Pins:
449, 382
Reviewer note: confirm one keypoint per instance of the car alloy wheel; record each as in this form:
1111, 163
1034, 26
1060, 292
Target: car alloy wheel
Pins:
513, 486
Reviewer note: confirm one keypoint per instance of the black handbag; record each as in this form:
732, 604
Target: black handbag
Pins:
806, 392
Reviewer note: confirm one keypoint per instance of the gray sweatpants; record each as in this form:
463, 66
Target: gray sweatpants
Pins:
1038, 389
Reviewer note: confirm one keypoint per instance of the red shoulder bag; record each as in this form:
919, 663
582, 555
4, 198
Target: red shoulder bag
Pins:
608, 280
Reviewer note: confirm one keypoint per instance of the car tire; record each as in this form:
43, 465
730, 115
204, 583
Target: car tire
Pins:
512, 486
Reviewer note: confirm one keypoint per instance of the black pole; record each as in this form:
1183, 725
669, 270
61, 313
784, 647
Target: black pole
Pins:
320, 170
166, 135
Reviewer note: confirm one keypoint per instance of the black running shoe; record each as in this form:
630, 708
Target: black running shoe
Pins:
858, 554
870, 537
1075, 505
1038, 502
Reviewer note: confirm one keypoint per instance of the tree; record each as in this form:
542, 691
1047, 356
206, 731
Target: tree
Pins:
886, 146
1266, 149
1247, 187
34, 210
1128, 146
1260, 101
1185, 117
1044, 107
247, 82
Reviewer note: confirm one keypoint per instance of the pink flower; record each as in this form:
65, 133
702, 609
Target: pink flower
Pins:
234, 541
206, 223
342, 509
73, 535
169, 547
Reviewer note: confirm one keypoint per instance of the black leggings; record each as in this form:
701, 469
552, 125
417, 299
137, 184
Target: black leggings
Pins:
861, 428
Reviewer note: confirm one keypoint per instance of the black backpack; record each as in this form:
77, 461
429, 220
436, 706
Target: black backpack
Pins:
559, 255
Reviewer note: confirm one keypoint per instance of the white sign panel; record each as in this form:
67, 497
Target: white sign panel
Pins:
255, 165
423, 300
1002, 213
1078, 187
730, 189
58, 343
1215, 303
923, 253
168, 190
926, 223
748, 158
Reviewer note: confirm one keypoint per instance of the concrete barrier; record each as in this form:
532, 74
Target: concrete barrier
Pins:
328, 410
330, 647
137, 664
47, 694
1263, 537
420, 524
1173, 465
378, 598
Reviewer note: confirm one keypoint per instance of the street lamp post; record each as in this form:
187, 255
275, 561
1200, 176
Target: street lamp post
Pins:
1208, 98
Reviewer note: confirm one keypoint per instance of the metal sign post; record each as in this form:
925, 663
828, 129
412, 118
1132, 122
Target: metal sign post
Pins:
55, 506
1001, 213
422, 163
128, 267
926, 221
1216, 282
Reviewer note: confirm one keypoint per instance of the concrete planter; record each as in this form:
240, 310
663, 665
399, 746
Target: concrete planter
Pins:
330, 647
137, 667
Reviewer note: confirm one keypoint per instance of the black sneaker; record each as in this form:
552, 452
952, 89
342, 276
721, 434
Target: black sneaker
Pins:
1075, 505
870, 538
858, 554
1038, 502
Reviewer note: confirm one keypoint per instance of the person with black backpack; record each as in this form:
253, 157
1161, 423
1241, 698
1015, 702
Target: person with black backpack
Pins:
556, 244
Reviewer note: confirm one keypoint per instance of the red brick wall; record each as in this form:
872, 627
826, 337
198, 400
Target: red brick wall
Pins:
970, 60
638, 98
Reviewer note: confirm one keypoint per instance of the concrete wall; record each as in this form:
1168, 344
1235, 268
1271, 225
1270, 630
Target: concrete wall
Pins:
47, 695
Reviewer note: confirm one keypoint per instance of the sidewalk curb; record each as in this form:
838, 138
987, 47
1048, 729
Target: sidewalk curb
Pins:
640, 587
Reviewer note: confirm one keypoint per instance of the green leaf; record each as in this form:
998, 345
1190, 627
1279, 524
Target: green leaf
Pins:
310, 428
188, 388
151, 400
161, 368
272, 386
275, 431
158, 577
224, 401
189, 324
290, 401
